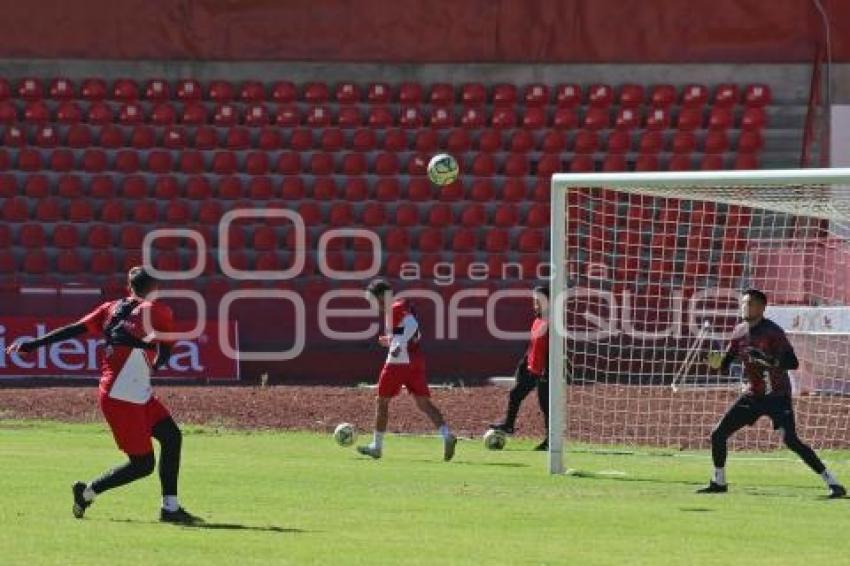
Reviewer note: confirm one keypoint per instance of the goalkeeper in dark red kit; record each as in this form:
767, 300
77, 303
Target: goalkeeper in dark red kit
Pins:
763, 349
533, 370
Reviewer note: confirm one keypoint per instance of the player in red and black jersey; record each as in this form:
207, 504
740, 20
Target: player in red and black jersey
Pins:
532, 370
405, 366
763, 349
126, 399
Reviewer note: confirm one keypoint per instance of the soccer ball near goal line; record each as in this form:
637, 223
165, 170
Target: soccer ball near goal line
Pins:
495, 439
345, 434
443, 169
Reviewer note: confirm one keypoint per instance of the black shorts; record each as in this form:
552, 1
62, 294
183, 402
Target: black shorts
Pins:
750, 408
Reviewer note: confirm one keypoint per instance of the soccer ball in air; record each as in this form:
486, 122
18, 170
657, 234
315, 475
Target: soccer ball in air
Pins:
345, 434
443, 169
495, 439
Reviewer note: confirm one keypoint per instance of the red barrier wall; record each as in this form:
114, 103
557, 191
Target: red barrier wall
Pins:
571, 31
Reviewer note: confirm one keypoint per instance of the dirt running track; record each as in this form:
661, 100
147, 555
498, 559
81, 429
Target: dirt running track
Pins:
602, 413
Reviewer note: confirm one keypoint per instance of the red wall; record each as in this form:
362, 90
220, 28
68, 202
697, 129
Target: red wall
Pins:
423, 30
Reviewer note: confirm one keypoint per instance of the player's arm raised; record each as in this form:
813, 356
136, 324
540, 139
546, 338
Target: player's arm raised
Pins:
63, 333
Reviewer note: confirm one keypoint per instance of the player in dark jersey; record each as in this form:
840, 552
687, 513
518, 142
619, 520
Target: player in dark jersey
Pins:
532, 370
126, 400
405, 366
763, 349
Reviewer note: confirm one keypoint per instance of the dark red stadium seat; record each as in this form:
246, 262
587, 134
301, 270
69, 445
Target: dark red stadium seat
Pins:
260, 188
490, 141
379, 93
410, 93
514, 190
257, 163
442, 94
209, 212
131, 236
483, 165
373, 214
586, 141
157, 90
458, 141
647, 162
163, 114
30, 160
166, 187
757, 95
103, 263
407, 214
354, 164
506, 216
597, 119
746, 161
538, 216
189, 89
386, 163
36, 263
340, 214
716, 141
522, 141
631, 95
600, 95
684, 142
473, 215
619, 141
229, 188
48, 210
473, 118
535, 95
750, 141
440, 215
565, 119
238, 138
134, 187
310, 213
270, 139
46, 136
283, 92
102, 187
288, 163
473, 94
36, 112
143, 137
32, 236
254, 91
206, 137
690, 118
321, 163
111, 137
316, 92
191, 162
581, 163
301, 139
464, 240
720, 118
726, 95
194, 114
442, 118
387, 190
534, 118
256, 115
93, 89
711, 162
347, 93
221, 91
411, 118
694, 96
13, 136
530, 241
69, 112
36, 186
8, 112
100, 114
349, 117
30, 88
397, 240
753, 119
292, 189
516, 165
627, 119
482, 190
380, 117
503, 118
324, 188
614, 162
663, 96
8, 186
430, 240
99, 236
419, 189
145, 212
426, 140
127, 161
131, 113
69, 262
224, 163
15, 209
550, 163
198, 188
79, 136
225, 115
679, 162
496, 241
658, 119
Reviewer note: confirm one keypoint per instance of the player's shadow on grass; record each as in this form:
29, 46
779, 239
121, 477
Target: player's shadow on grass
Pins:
221, 526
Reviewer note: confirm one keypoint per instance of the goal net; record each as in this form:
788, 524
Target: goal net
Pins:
647, 270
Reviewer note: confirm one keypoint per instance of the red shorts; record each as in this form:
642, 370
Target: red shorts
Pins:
132, 423
411, 375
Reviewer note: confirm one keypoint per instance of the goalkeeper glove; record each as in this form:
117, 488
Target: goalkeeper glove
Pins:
714, 360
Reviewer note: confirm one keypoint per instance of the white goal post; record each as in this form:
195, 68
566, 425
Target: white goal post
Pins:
646, 270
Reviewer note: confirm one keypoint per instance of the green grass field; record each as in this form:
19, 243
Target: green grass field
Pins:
291, 498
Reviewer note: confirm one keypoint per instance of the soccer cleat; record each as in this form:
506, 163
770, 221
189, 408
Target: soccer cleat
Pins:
179, 517
449, 445
80, 503
713, 488
836, 491
503, 427
370, 450
543, 446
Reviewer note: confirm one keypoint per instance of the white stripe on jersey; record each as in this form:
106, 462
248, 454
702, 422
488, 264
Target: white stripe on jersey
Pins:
133, 383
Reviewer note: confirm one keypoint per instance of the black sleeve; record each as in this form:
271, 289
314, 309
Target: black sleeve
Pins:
162, 355
786, 359
57, 335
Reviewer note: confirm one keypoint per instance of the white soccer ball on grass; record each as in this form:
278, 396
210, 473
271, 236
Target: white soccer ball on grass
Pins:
345, 434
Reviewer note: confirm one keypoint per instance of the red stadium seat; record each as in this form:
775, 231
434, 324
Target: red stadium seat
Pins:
131, 237
166, 187
690, 118
9, 186
14, 137
142, 137
301, 139
324, 188
111, 137
556, 141
225, 115
257, 163
79, 136
397, 240
30, 89
30, 160
753, 119
716, 141
69, 262
379, 93
349, 117
194, 114
100, 114
684, 142
380, 117
586, 141
363, 140
750, 141
647, 162
726, 95
516, 165
270, 139
473, 94
206, 137
46, 136
237, 139
8, 112
347, 93
483, 165
145, 212
127, 161
260, 188
103, 263
354, 164
387, 190
157, 90
288, 163
663, 96
163, 114
340, 214
198, 188
177, 213
48, 210
373, 214
473, 215
256, 115
442, 118
506, 216
36, 186
746, 161
254, 91
568, 95
440, 215
32, 236
565, 119
189, 89
535, 95
407, 214
410, 93
316, 93
627, 119
134, 187
534, 118
600, 96
464, 240
321, 163
694, 96
93, 89
69, 112
530, 241
386, 163
680, 162
503, 118
720, 118
430, 240
292, 189
522, 141
191, 162
411, 118
5, 89
37, 112
514, 190
310, 213
426, 140
210, 212
288, 116
442, 94
619, 141
458, 141
473, 118
504, 95
496, 241
131, 113
221, 91
229, 188
490, 141
614, 162
757, 95
579, 164
550, 163
124, 90
419, 189
99, 236
658, 119
36, 263
711, 162
15, 209
102, 187
631, 95
283, 92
